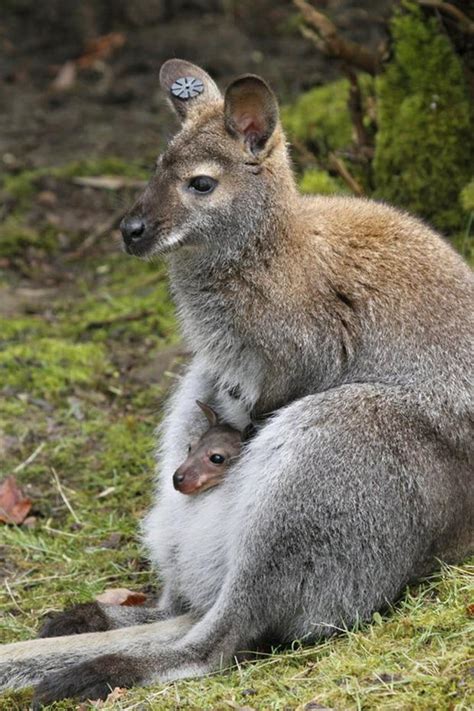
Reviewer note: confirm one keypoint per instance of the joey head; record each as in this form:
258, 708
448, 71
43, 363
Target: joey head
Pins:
209, 457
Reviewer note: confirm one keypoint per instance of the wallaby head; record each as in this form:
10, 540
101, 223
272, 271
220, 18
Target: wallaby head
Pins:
221, 178
209, 457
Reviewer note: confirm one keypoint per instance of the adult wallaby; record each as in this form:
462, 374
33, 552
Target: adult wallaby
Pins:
349, 320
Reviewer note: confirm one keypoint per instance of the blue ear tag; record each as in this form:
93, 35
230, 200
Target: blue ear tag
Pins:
186, 88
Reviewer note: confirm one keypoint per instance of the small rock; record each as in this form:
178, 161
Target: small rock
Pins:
113, 541
387, 678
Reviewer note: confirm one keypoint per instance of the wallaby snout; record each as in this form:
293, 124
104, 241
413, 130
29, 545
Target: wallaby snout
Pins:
185, 480
197, 475
133, 230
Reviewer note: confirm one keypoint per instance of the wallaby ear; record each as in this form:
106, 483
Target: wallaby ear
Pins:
251, 111
211, 414
187, 85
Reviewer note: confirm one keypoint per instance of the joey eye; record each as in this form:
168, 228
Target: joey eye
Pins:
217, 458
202, 184
189, 448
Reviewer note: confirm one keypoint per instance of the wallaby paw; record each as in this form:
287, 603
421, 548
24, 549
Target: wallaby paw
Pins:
89, 680
87, 617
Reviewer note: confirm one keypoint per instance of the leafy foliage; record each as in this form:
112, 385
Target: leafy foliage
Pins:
425, 141
319, 117
319, 181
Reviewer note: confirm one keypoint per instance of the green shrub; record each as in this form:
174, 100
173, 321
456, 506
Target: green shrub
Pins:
320, 117
425, 140
320, 182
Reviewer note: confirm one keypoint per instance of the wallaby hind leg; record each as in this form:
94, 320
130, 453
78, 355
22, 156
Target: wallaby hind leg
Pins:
27, 663
327, 525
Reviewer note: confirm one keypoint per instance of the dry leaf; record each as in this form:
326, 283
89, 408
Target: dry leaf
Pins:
470, 610
47, 198
14, 505
100, 48
65, 78
116, 694
121, 596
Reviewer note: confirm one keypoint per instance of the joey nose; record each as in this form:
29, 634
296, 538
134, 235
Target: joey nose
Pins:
178, 479
132, 228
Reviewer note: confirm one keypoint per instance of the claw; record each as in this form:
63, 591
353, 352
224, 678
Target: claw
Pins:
87, 617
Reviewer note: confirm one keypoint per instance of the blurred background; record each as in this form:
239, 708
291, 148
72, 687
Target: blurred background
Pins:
376, 95
377, 100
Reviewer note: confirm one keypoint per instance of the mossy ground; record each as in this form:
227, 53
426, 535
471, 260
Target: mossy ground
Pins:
85, 365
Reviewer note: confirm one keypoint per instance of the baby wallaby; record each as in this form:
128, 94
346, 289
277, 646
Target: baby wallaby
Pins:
209, 458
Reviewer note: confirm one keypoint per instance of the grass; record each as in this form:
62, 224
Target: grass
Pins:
79, 387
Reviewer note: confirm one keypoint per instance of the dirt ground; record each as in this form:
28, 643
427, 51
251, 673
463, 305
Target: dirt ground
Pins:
115, 107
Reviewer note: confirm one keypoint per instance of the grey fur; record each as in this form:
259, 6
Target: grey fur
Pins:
353, 322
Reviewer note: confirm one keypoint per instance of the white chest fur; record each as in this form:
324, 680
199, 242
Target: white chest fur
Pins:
186, 536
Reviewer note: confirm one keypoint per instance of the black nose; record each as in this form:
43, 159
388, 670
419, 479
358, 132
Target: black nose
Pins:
177, 479
132, 229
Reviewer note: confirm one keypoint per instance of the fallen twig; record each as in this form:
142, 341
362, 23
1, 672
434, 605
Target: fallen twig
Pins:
63, 495
340, 167
108, 182
103, 229
121, 317
363, 141
29, 459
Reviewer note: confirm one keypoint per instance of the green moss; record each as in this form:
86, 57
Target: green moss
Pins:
22, 185
320, 117
425, 142
16, 237
109, 165
128, 314
321, 183
47, 367
20, 327
467, 197
128, 446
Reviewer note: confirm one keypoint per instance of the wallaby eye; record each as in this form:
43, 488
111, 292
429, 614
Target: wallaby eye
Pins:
202, 184
217, 458
189, 448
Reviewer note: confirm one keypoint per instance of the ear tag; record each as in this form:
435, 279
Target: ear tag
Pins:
186, 88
